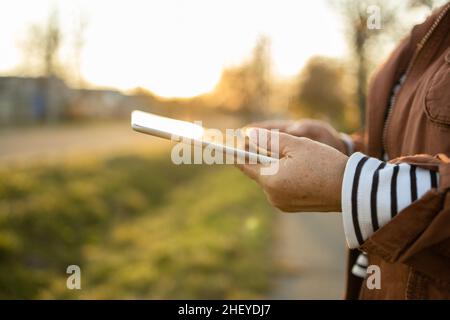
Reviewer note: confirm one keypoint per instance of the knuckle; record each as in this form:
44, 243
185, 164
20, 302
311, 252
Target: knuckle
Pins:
303, 140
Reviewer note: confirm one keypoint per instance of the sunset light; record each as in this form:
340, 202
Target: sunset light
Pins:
175, 47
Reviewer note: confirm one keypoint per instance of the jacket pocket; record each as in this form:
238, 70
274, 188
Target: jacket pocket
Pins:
437, 98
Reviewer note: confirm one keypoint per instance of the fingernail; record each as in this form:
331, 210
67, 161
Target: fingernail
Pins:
251, 132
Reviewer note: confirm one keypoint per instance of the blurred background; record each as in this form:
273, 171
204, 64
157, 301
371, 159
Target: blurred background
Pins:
77, 186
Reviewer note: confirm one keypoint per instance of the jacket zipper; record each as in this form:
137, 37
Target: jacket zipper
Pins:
420, 45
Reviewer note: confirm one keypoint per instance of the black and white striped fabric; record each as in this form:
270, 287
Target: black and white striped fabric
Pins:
373, 192
359, 269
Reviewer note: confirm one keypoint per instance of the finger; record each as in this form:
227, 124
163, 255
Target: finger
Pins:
269, 141
244, 143
281, 125
250, 170
302, 129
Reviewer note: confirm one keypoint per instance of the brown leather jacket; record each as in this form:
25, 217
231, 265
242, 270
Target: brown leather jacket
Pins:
413, 249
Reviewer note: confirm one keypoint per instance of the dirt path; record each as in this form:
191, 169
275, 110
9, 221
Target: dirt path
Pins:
67, 140
309, 251
56, 142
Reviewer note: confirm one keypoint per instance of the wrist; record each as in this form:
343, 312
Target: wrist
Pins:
337, 181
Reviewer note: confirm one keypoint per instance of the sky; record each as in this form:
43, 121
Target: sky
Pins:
175, 48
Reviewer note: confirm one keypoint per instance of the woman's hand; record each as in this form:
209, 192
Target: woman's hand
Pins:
313, 129
309, 176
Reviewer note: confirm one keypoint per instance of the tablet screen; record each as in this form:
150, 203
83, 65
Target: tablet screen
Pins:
165, 127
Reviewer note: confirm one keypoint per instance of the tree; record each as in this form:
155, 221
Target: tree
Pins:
365, 43
247, 88
80, 25
41, 50
260, 78
362, 38
321, 92
52, 40
42, 45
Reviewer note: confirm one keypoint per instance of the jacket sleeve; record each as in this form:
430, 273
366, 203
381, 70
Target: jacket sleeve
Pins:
400, 210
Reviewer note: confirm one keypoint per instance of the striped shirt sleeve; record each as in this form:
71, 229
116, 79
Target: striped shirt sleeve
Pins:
373, 192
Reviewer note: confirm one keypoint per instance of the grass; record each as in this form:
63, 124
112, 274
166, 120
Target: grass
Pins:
138, 227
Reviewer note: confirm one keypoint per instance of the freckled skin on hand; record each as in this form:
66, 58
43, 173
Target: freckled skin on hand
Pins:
309, 177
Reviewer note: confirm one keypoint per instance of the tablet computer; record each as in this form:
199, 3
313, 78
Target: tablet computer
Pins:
184, 131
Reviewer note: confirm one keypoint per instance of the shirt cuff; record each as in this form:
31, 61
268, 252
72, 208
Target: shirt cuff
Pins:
373, 192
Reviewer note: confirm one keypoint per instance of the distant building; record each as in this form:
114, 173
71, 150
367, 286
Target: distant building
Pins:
87, 103
25, 100
48, 100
